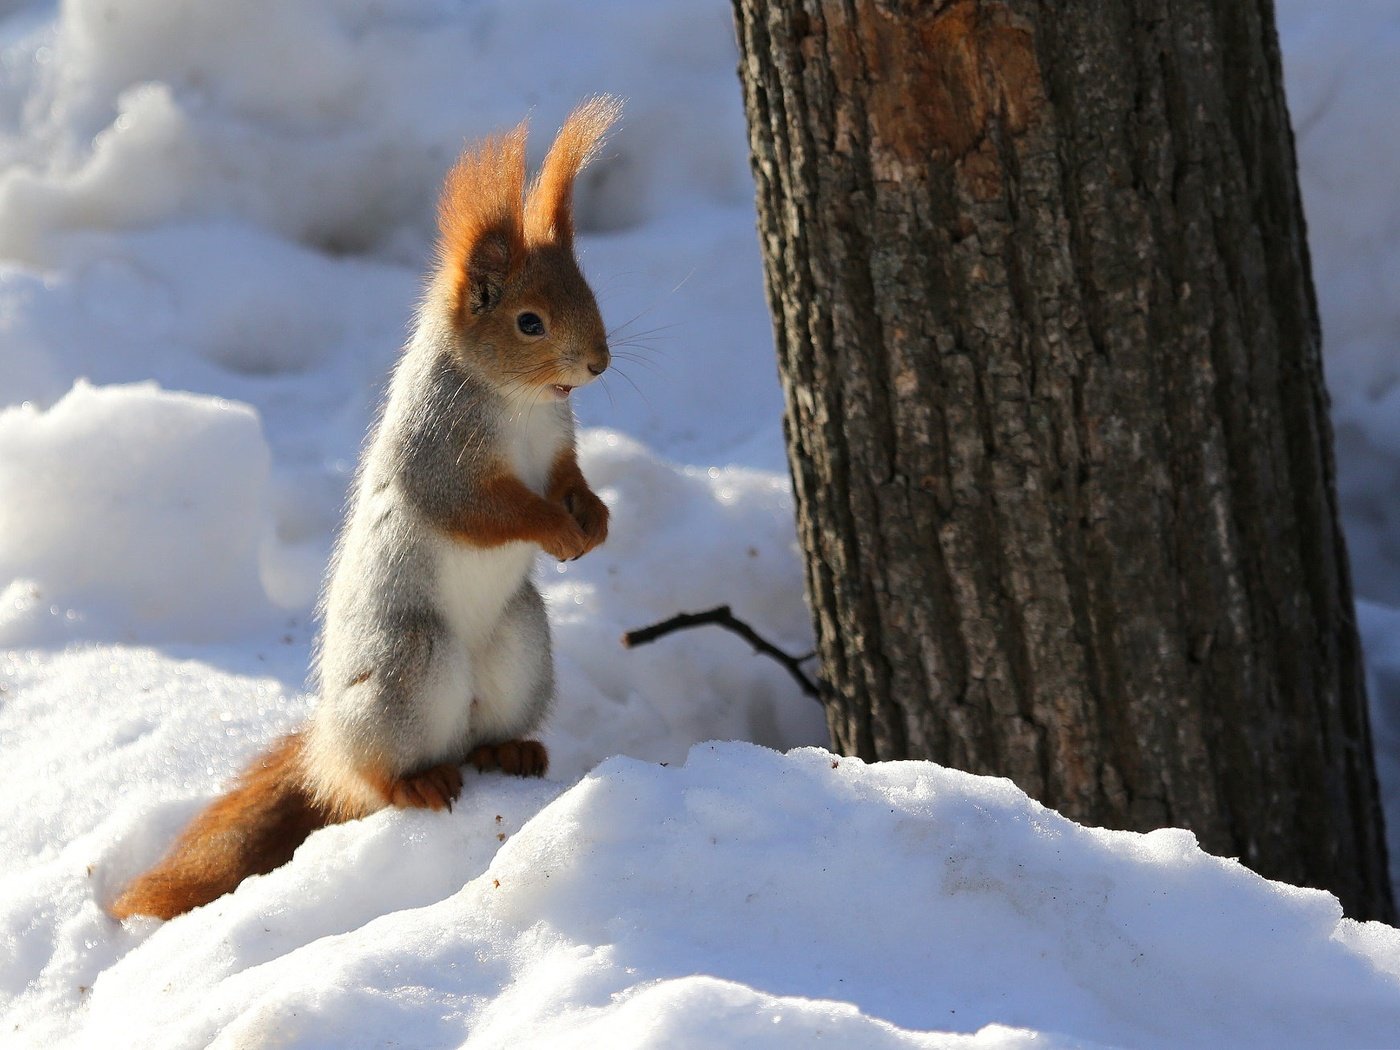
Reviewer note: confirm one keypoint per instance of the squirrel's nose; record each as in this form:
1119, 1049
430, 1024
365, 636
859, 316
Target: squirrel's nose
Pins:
600, 358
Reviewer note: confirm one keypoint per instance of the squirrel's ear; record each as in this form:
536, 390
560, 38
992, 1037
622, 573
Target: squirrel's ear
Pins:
487, 269
549, 209
481, 222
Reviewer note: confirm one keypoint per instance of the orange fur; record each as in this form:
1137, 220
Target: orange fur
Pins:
567, 522
521, 758
568, 487
480, 220
436, 787
484, 218
506, 510
500, 251
258, 825
254, 828
549, 214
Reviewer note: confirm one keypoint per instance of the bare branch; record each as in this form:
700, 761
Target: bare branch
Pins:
721, 616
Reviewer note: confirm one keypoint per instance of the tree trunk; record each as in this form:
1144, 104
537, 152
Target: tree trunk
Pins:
1055, 413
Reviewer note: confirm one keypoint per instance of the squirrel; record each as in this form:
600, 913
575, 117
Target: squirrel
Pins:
434, 648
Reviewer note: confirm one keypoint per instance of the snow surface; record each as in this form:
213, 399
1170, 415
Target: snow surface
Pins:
213, 218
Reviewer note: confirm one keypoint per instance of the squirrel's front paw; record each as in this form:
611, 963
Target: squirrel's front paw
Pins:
567, 542
591, 513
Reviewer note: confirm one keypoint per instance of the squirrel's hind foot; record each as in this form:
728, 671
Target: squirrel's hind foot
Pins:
433, 788
522, 758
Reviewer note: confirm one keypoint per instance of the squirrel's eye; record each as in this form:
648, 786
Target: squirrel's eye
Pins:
529, 324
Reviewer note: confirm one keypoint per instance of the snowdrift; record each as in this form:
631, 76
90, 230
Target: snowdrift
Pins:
213, 218
751, 899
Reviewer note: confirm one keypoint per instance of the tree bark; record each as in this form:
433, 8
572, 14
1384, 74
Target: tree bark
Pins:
1055, 413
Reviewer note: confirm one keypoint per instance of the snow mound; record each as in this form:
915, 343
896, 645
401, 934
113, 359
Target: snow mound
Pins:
141, 509
681, 539
236, 200
754, 899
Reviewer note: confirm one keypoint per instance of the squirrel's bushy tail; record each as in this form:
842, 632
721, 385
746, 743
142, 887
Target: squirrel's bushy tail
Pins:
249, 831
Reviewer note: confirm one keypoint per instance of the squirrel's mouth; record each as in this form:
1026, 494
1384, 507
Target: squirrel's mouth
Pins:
561, 391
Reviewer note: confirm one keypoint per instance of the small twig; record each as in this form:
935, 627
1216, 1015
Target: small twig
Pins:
720, 616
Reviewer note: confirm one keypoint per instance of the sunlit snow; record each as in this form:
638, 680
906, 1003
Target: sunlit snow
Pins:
213, 222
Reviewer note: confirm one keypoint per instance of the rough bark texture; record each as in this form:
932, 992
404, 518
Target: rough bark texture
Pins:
1055, 412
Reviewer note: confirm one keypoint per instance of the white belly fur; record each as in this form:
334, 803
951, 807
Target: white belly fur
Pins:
533, 438
473, 587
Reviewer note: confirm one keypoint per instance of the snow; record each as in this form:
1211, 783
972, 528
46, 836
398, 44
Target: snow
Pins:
147, 505
1340, 73
213, 219
717, 904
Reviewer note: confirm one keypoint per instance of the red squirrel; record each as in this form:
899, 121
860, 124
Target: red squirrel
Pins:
434, 648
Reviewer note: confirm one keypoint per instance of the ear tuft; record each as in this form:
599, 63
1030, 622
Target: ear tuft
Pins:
481, 221
549, 207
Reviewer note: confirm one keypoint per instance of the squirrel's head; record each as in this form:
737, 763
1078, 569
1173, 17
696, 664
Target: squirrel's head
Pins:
522, 312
